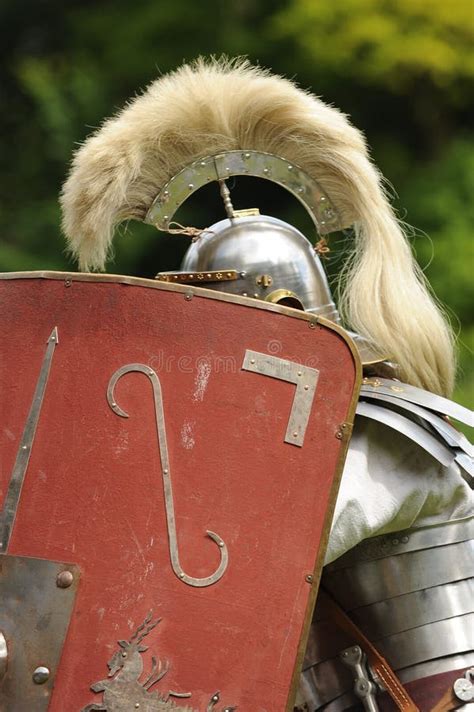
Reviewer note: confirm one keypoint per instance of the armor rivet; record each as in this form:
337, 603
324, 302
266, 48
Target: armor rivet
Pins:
242, 274
322, 199
124, 655
265, 170
308, 578
166, 193
191, 276
191, 186
67, 283
306, 388
247, 155
300, 373
203, 163
165, 472
252, 360
229, 274
41, 675
188, 297
295, 434
312, 325
290, 168
323, 222
405, 539
166, 217
300, 190
24, 447
64, 579
181, 576
221, 543
208, 276
244, 294
137, 705
395, 542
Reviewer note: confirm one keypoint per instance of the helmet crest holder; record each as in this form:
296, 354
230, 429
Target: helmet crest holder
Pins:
243, 163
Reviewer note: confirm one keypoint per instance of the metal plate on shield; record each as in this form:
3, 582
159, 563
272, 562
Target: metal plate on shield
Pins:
37, 598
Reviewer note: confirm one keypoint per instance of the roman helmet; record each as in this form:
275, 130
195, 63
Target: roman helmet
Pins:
214, 119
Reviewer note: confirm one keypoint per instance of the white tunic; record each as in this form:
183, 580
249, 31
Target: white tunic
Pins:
390, 483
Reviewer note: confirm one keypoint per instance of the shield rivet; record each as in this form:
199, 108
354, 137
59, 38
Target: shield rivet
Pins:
64, 579
41, 675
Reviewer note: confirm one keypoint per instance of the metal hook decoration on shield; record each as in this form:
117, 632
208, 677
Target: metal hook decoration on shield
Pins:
165, 467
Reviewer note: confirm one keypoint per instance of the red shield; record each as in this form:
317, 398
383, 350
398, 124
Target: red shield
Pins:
176, 454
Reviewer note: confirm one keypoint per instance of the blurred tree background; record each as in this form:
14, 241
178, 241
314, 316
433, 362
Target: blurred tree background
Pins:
402, 69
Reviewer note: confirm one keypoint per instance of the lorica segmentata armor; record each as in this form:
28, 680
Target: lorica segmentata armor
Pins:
411, 594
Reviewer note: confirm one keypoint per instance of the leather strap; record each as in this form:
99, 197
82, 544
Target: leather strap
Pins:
448, 702
378, 664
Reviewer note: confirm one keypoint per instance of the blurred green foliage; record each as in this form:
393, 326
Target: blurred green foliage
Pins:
403, 70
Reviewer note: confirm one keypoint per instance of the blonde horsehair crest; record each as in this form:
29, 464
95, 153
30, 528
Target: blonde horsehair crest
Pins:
217, 105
